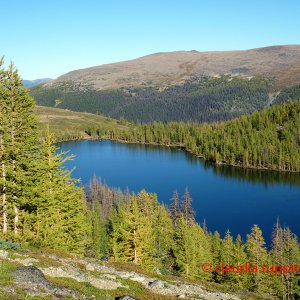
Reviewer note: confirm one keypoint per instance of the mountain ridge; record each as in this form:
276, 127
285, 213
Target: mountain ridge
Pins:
32, 83
168, 68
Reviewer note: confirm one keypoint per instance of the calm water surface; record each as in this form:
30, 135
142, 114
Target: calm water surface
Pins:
228, 198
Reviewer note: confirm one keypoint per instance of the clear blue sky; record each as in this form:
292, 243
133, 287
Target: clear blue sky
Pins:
46, 38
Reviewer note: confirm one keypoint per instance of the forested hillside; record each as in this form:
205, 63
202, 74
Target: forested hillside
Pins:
135, 228
269, 139
201, 99
180, 86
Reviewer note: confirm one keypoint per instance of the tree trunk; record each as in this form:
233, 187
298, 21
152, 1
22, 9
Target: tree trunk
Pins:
4, 225
16, 210
134, 241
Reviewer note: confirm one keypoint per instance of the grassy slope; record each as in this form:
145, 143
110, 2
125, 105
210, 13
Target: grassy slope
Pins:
67, 124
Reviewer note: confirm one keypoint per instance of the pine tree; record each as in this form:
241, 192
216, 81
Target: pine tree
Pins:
192, 249
18, 142
257, 255
216, 250
228, 256
184, 246
277, 248
132, 233
164, 244
61, 209
99, 237
187, 209
291, 255
175, 208
239, 259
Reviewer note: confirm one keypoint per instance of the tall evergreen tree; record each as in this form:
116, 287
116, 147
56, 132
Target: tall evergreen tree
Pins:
192, 249
291, 255
186, 207
228, 256
239, 259
277, 249
18, 143
164, 243
61, 209
257, 255
99, 237
216, 250
175, 208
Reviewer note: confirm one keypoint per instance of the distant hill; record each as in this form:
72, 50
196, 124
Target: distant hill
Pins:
172, 68
182, 85
31, 83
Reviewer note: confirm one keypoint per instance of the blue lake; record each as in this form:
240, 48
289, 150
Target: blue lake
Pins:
228, 198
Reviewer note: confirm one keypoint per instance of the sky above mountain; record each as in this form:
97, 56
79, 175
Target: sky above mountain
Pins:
50, 38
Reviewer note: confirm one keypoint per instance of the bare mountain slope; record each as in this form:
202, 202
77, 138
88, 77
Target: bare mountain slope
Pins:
165, 69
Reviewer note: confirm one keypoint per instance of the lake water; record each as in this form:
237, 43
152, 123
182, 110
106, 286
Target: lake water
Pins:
228, 198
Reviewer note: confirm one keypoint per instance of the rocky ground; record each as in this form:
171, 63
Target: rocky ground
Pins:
51, 276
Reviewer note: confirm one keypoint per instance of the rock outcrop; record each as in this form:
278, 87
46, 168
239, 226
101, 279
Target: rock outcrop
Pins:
101, 275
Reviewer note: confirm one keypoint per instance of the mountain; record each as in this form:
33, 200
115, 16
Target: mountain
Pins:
182, 85
31, 83
172, 68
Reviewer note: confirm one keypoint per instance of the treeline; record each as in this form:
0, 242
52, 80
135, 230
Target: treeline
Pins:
292, 93
136, 228
40, 203
200, 99
269, 139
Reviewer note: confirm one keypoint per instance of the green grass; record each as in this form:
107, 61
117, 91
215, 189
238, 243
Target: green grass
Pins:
67, 124
6, 270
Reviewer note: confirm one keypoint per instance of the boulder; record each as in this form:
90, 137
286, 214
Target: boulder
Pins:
156, 285
31, 274
32, 280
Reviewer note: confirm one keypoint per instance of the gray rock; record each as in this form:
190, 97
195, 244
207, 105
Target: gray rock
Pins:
156, 285
31, 274
32, 279
3, 254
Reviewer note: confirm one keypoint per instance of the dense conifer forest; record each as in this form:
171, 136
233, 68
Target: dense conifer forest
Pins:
269, 139
136, 228
201, 99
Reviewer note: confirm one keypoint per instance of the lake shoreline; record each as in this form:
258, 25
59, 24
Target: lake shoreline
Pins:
180, 147
226, 197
